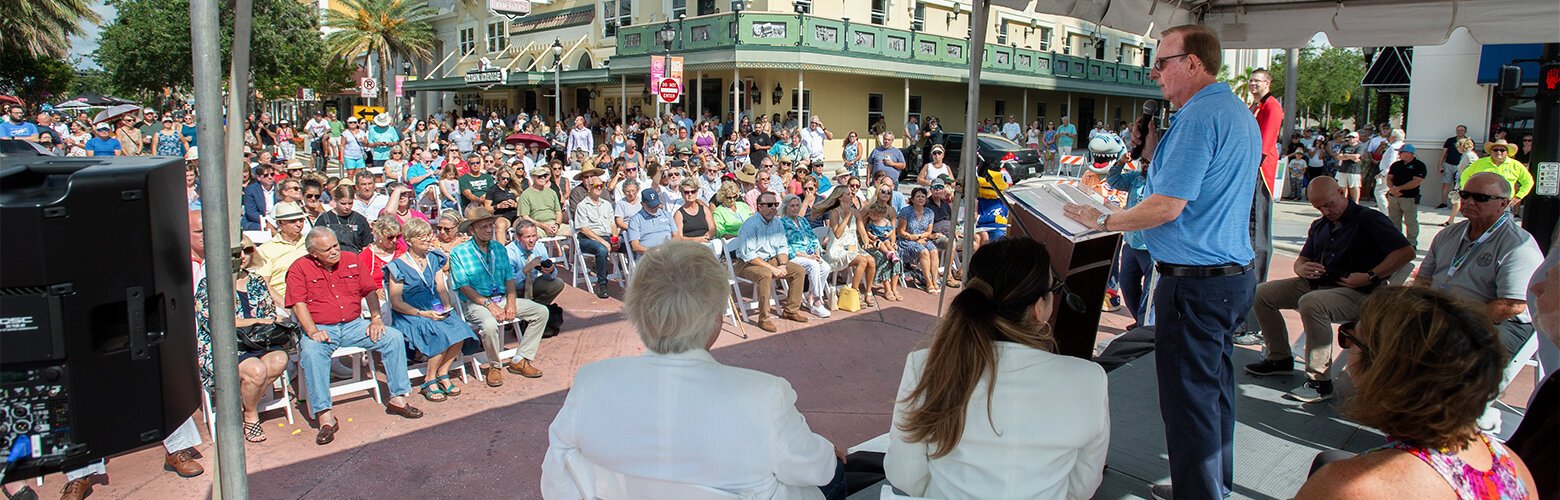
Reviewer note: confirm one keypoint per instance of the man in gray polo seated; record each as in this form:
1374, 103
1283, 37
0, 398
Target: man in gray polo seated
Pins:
1488, 258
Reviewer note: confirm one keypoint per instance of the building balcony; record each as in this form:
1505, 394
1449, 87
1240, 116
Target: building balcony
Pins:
791, 41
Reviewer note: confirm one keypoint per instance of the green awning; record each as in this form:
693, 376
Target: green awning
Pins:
515, 80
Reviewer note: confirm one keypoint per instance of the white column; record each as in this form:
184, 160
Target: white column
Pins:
698, 97
736, 98
908, 140
801, 97
622, 96
1024, 113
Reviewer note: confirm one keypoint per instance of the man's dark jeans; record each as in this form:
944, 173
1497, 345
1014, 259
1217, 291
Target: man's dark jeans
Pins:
1196, 321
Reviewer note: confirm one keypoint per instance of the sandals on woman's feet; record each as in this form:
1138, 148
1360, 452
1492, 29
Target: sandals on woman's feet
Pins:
450, 389
253, 432
432, 392
866, 300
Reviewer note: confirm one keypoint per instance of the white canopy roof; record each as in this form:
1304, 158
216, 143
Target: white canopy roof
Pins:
1260, 24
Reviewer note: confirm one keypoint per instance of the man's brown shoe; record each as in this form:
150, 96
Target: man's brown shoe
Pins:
767, 325
77, 489
793, 316
494, 375
525, 369
404, 411
183, 463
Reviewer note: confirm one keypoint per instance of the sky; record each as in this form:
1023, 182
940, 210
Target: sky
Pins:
82, 46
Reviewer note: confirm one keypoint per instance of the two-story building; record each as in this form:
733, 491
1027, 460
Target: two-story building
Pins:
851, 62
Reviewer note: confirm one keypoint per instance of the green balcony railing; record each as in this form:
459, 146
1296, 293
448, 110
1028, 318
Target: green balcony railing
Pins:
770, 31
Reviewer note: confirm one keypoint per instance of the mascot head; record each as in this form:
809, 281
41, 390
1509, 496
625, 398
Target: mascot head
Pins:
1104, 150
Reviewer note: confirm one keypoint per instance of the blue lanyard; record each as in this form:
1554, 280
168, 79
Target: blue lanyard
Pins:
1462, 257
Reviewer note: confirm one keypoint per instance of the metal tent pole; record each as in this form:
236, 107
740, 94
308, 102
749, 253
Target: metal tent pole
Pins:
207, 60
967, 158
1291, 94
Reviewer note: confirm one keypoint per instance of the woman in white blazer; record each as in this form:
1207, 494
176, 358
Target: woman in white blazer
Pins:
675, 423
990, 411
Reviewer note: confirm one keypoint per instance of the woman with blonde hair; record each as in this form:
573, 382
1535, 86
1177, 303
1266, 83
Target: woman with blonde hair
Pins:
1454, 178
841, 213
421, 304
1425, 365
991, 387
693, 220
730, 211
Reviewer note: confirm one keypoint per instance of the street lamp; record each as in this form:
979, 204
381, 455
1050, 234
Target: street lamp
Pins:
557, 50
667, 35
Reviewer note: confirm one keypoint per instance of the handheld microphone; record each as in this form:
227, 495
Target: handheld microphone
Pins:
1141, 129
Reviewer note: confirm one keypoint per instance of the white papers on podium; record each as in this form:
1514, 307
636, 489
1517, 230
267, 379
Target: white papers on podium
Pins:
1046, 200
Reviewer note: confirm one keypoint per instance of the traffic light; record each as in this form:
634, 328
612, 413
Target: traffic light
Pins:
1549, 80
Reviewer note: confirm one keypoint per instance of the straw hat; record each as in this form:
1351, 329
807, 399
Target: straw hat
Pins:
475, 214
748, 174
1489, 147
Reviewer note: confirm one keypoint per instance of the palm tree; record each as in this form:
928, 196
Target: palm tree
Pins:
42, 28
381, 29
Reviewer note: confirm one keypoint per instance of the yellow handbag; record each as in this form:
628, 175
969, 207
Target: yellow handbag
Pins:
849, 299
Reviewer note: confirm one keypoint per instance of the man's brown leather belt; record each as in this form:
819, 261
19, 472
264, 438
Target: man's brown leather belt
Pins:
1180, 271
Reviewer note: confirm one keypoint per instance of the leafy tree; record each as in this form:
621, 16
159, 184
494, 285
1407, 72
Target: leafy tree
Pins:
383, 29
1238, 83
1328, 80
147, 47
42, 28
34, 79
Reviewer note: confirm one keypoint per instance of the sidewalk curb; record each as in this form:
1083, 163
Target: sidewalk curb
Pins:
1287, 248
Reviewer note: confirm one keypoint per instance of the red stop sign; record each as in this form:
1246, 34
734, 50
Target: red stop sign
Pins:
669, 90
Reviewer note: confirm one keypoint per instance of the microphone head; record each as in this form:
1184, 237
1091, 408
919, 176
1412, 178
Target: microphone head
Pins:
1151, 107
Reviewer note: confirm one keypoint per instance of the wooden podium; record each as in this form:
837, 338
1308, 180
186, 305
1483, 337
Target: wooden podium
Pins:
1082, 260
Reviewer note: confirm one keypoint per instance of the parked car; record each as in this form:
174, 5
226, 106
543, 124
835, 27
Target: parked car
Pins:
995, 153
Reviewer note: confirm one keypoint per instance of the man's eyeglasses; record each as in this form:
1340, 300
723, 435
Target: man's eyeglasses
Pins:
1479, 197
769, 204
1159, 62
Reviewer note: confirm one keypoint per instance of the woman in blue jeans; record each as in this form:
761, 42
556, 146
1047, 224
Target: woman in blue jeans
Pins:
1135, 269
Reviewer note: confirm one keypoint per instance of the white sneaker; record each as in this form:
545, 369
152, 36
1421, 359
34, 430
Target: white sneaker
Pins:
818, 310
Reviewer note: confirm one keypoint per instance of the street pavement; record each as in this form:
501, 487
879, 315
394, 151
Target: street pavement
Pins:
489, 442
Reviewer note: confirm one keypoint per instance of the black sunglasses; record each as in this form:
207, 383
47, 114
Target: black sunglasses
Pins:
1072, 300
768, 204
312, 196
1347, 339
1479, 197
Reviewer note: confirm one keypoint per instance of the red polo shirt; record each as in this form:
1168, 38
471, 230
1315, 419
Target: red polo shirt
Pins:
332, 296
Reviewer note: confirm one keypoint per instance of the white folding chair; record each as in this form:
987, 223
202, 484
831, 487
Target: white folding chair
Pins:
268, 401
744, 303
1525, 356
581, 269
361, 380
477, 360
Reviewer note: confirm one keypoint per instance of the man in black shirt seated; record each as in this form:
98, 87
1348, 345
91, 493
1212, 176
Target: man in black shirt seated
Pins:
1348, 252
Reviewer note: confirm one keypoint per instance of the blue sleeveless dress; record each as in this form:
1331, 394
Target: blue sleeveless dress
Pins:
419, 290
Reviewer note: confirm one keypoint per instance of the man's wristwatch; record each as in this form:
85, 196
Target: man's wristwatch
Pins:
1100, 222
1373, 277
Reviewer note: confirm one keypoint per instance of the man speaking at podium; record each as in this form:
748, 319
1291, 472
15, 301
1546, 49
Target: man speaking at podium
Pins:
1195, 221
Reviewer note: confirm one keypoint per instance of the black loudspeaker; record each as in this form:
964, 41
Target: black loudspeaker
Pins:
97, 329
